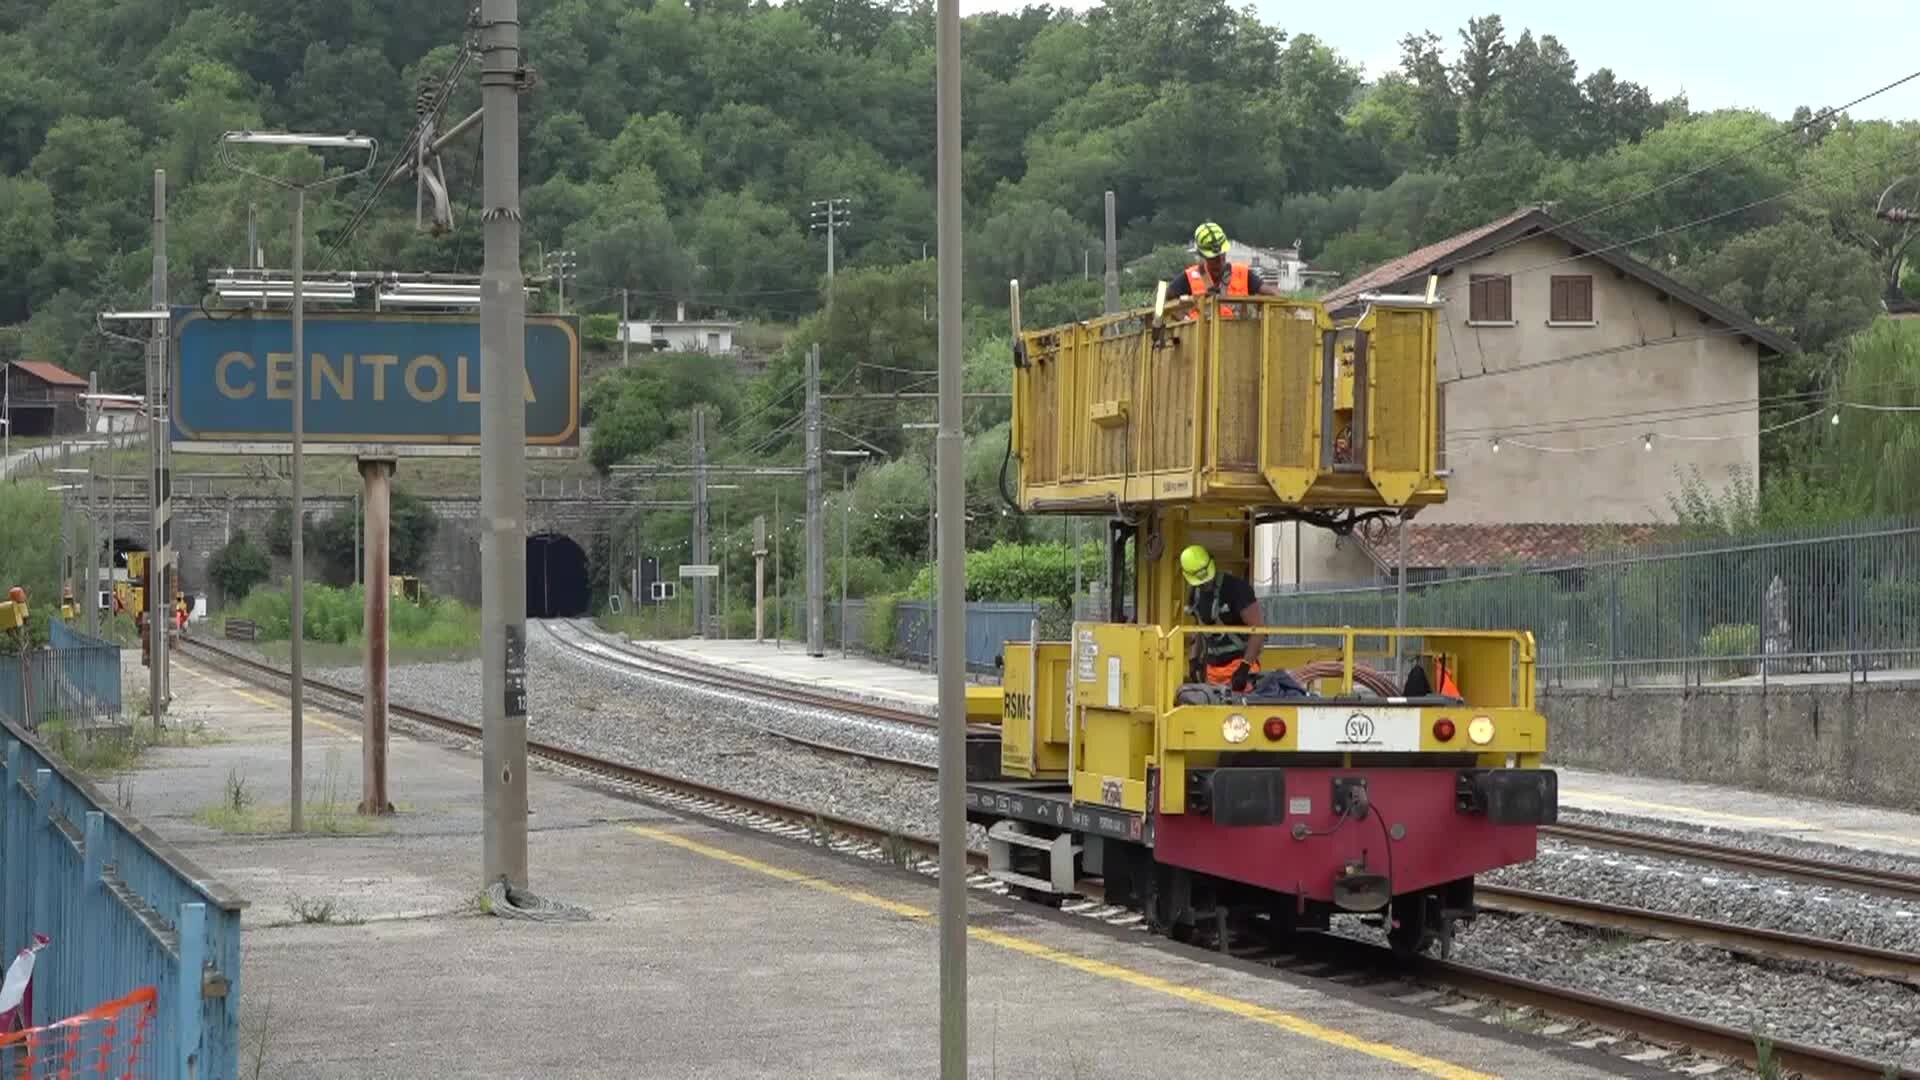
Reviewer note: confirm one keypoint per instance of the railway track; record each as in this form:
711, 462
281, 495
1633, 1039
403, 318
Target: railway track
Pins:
874, 841
1724, 856
1751, 941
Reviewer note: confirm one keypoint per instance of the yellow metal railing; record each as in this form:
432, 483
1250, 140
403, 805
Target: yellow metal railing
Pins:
1279, 405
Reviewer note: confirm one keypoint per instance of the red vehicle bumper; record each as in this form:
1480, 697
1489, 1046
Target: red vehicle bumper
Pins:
1439, 824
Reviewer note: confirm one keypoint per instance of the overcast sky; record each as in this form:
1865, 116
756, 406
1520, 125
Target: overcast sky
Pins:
1766, 54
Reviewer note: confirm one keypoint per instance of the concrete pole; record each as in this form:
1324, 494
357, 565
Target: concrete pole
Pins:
66, 518
297, 585
760, 578
701, 517
359, 563
626, 335
779, 597
846, 515
1113, 259
816, 517
155, 585
951, 606
91, 598
377, 475
503, 466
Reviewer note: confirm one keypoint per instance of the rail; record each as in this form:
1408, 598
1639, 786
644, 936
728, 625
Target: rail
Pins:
123, 910
760, 812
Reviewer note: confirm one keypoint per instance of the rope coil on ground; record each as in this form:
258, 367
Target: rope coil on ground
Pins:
510, 903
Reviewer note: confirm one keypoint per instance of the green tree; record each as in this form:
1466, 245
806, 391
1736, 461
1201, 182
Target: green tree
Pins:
236, 567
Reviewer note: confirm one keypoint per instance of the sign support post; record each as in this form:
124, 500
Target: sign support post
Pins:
377, 475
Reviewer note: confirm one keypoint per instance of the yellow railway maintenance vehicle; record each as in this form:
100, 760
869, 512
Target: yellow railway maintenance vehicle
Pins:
1355, 788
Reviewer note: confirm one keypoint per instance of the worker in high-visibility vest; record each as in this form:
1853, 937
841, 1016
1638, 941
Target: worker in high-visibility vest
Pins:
1213, 274
1218, 598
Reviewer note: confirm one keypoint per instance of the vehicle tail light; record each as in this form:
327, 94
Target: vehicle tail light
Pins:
1443, 729
1276, 728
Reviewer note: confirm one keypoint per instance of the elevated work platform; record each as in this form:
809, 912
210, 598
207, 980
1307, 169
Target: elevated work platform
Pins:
1255, 402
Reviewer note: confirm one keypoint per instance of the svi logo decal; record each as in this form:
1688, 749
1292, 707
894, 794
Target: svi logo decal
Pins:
1359, 728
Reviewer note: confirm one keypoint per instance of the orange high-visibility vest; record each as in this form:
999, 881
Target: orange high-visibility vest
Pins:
1199, 284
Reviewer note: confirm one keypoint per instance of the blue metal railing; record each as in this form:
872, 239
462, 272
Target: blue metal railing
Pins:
989, 627
76, 680
123, 910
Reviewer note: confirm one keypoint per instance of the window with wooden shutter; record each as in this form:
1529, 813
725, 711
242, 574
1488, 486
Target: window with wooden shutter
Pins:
1490, 298
1572, 299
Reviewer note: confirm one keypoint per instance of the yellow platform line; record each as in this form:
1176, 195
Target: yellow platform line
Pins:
1102, 969
248, 695
1760, 821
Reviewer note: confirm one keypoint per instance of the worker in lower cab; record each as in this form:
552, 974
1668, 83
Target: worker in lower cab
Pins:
1217, 598
1214, 274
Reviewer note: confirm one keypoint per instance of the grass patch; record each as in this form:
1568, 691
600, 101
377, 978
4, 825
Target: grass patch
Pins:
105, 751
325, 819
326, 814
441, 628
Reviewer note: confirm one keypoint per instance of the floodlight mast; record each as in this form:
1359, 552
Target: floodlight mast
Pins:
297, 586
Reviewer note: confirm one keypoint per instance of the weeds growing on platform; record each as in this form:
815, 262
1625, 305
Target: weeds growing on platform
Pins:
238, 811
107, 750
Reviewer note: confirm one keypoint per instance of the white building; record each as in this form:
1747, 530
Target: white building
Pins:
682, 334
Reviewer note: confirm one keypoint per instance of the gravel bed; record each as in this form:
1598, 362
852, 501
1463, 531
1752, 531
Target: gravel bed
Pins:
1725, 895
1876, 1019
1759, 842
913, 742
696, 734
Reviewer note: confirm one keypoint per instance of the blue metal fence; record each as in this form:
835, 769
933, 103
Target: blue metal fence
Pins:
123, 909
75, 679
989, 627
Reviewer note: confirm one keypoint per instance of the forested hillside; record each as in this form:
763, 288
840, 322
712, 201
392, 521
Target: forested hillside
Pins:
676, 147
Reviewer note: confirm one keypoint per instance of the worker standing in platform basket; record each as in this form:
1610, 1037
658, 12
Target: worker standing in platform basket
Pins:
1218, 598
1213, 274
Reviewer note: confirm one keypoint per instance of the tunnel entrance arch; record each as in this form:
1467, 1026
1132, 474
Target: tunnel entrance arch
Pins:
557, 585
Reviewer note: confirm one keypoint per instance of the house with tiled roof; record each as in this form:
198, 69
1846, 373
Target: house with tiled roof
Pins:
41, 398
1579, 387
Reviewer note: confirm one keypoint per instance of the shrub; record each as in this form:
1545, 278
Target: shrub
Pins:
1015, 572
237, 567
880, 611
1732, 640
334, 616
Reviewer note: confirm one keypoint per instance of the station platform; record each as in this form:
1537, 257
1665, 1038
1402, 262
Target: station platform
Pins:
711, 951
1864, 828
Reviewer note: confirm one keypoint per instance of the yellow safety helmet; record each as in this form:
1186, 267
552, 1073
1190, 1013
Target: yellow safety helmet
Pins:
1196, 565
1210, 240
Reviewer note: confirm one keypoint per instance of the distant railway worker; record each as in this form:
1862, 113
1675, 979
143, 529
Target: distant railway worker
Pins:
1217, 598
1214, 274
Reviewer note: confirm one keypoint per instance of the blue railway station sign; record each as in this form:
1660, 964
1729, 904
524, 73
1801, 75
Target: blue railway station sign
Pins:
376, 383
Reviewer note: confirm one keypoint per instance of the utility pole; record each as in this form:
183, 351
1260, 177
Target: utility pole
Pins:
846, 528
829, 215
563, 262
700, 517
626, 335
93, 508
951, 614
760, 578
816, 526
503, 466
66, 520
1113, 260
162, 483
